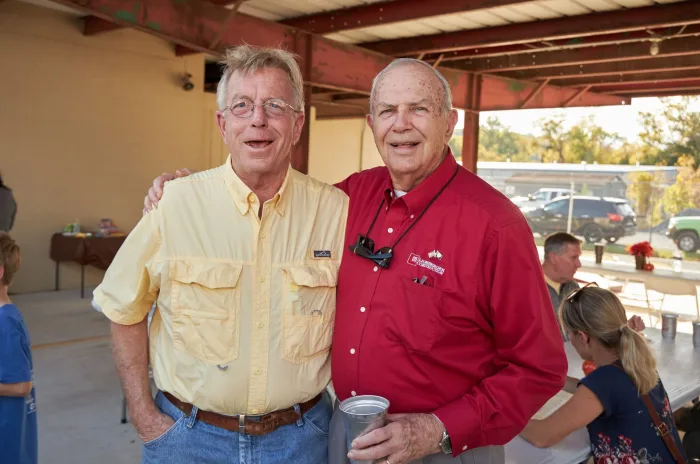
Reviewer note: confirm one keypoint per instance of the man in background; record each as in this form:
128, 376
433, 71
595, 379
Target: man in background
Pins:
8, 207
562, 253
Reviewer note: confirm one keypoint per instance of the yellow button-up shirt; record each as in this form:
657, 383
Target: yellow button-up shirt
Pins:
244, 305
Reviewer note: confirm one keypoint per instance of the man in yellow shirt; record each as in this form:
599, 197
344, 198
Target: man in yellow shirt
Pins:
241, 262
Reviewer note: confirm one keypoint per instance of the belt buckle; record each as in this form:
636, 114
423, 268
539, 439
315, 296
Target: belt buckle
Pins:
241, 424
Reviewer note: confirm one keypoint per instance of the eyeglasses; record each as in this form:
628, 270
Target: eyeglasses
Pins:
365, 247
274, 108
570, 297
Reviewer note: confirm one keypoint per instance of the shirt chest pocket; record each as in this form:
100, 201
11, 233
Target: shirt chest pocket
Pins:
414, 322
309, 311
206, 305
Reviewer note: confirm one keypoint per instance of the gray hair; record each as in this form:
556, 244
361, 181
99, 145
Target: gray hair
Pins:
556, 243
246, 59
447, 93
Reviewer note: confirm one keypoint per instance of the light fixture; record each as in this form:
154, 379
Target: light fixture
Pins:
654, 47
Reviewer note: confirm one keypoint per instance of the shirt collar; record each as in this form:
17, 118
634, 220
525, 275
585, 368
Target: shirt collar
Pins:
555, 285
243, 196
419, 197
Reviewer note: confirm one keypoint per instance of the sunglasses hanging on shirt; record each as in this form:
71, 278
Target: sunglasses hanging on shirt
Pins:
364, 246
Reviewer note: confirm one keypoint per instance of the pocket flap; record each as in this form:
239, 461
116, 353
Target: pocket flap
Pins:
210, 274
314, 275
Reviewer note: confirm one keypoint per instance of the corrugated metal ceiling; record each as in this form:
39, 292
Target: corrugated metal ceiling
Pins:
519, 13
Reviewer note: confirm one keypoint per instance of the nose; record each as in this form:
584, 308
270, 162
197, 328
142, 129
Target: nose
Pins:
259, 118
403, 121
578, 263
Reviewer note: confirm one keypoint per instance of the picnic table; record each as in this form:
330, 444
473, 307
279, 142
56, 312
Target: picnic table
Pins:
678, 364
84, 250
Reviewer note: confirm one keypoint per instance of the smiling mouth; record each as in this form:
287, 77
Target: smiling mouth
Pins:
258, 143
404, 145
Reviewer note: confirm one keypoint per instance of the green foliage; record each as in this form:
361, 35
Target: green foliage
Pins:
640, 191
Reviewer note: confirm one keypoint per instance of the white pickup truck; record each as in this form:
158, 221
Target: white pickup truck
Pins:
540, 197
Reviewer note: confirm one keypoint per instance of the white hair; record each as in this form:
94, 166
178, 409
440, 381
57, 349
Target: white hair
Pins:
446, 95
246, 59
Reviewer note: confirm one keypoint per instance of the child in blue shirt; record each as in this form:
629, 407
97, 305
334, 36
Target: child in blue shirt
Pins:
611, 401
18, 426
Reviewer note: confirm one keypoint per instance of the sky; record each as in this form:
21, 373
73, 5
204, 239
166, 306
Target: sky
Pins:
621, 119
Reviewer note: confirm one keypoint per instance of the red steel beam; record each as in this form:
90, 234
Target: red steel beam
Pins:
93, 26
181, 50
663, 93
534, 93
597, 81
617, 68
628, 19
659, 86
195, 24
576, 96
603, 54
387, 12
575, 42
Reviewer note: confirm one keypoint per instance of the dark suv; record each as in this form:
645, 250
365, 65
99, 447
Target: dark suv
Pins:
593, 218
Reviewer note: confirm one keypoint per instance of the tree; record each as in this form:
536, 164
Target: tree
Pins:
497, 138
682, 193
553, 139
589, 142
673, 132
640, 191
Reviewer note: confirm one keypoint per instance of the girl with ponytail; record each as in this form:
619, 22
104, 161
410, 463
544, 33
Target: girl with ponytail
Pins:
623, 402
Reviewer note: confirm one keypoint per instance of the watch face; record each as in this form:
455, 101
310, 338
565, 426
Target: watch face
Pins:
446, 444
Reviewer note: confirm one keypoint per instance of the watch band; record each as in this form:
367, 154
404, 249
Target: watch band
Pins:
445, 444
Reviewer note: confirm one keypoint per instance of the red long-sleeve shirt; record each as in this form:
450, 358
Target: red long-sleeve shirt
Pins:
478, 343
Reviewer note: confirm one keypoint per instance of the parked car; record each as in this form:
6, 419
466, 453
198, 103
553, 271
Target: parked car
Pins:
540, 197
593, 218
685, 232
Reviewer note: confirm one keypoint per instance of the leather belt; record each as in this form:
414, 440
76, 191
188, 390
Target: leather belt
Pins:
261, 425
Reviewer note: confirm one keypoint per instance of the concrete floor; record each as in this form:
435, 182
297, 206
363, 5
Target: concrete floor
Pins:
77, 388
78, 392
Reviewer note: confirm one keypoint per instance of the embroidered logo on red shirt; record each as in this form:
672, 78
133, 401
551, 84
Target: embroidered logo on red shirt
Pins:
415, 260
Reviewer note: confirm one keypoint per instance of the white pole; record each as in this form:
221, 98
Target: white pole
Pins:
571, 205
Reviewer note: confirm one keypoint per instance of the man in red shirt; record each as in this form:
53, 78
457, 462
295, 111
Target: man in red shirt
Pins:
442, 306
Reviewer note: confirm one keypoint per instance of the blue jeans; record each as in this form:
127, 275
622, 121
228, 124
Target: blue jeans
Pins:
191, 441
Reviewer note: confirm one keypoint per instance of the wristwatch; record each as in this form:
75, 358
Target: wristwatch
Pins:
445, 443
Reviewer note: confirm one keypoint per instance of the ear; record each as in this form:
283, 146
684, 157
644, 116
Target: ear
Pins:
2, 272
369, 120
221, 123
452, 118
585, 338
299, 126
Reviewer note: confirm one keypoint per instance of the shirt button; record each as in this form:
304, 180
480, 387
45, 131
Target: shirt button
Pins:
376, 268
352, 350
261, 325
363, 309
262, 279
464, 448
255, 411
411, 216
258, 372
390, 230
263, 235
353, 393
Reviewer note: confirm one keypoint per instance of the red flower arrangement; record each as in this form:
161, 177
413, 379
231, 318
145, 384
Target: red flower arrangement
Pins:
641, 252
641, 248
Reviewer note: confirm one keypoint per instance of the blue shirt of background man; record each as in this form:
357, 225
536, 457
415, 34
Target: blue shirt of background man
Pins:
18, 427
625, 432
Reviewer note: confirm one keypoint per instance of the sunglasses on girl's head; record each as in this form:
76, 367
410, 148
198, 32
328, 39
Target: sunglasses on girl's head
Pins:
573, 294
